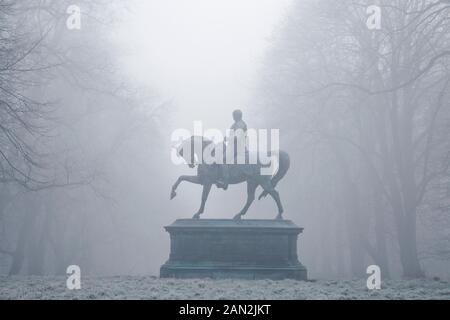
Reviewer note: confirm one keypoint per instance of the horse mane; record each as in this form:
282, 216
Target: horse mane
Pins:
205, 141
194, 142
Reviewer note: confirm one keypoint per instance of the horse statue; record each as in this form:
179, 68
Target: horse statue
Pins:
209, 174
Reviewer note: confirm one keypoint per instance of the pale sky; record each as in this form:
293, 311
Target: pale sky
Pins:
203, 54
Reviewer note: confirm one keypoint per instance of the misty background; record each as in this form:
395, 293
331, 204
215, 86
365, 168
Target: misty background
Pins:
86, 118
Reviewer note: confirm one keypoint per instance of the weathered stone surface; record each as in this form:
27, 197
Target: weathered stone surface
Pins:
248, 249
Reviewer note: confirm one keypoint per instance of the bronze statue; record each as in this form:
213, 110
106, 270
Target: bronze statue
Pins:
209, 174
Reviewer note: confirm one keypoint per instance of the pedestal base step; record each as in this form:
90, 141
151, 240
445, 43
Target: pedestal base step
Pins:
248, 273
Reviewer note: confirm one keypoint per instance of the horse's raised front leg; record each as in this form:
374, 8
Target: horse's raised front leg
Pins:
205, 193
251, 189
191, 179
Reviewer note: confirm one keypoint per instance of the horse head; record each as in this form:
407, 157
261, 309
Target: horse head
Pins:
191, 149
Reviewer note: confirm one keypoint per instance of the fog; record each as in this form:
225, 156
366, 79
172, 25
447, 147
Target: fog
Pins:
204, 55
87, 117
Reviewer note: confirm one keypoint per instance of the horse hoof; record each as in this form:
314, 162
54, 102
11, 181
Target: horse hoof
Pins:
173, 194
279, 217
238, 217
196, 216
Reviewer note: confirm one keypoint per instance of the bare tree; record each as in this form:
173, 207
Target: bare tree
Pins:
377, 99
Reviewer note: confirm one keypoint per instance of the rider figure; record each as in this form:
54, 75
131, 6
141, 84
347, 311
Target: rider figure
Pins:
238, 135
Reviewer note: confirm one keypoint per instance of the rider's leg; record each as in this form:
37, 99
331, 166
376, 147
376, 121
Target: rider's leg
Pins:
225, 176
230, 156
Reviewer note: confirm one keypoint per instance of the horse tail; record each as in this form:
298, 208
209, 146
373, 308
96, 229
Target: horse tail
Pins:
283, 167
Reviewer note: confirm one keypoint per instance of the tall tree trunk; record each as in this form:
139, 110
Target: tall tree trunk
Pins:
339, 245
326, 265
380, 229
352, 217
38, 247
29, 220
408, 247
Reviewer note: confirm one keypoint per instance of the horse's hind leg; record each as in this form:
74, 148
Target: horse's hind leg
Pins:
251, 189
268, 187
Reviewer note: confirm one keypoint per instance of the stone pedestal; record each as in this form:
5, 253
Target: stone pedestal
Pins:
246, 249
